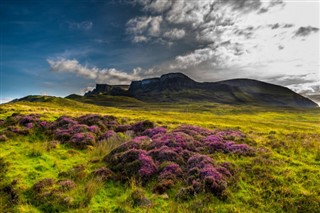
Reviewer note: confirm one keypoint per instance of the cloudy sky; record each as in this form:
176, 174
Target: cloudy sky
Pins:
63, 47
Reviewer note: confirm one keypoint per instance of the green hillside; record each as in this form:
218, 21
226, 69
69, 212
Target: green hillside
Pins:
282, 176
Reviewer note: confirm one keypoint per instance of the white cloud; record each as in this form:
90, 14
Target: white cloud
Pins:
238, 39
174, 34
105, 75
6, 100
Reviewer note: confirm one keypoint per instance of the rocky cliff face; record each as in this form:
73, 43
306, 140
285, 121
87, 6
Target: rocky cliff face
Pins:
177, 87
171, 82
109, 89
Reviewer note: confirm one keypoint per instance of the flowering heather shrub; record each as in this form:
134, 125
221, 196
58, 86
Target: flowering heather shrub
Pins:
230, 134
29, 125
123, 128
194, 131
165, 153
181, 153
240, 149
174, 140
171, 171
103, 122
140, 142
94, 129
82, 140
148, 167
44, 124
199, 161
64, 122
134, 162
140, 127
29, 120
201, 168
108, 134
155, 132
64, 135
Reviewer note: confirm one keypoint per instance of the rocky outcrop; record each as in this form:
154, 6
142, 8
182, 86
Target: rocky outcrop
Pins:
120, 90
177, 87
171, 82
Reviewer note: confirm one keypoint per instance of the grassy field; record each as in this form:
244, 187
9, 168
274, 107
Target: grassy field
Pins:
284, 175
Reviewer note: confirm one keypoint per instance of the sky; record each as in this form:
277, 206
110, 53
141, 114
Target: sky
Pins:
63, 47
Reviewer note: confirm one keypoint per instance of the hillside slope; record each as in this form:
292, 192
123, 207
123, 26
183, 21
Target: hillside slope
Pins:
177, 86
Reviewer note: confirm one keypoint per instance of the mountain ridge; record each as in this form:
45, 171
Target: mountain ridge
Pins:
177, 86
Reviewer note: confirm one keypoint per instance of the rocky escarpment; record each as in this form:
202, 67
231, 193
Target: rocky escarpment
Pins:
177, 87
109, 89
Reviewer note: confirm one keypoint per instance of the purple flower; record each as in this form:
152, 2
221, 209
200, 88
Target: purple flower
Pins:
147, 167
29, 125
165, 153
158, 131
123, 128
194, 131
108, 134
95, 129
43, 124
171, 171
82, 140
140, 127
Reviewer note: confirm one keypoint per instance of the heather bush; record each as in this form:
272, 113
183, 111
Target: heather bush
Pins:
64, 122
29, 120
230, 134
82, 140
140, 127
155, 132
181, 153
123, 128
174, 140
165, 153
108, 134
103, 122
240, 149
194, 131
134, 162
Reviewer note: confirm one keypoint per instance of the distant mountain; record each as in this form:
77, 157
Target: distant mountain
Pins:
177, 86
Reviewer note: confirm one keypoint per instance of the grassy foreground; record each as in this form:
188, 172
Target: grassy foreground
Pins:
285, 177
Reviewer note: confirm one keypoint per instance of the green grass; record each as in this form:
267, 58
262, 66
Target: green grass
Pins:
285, 177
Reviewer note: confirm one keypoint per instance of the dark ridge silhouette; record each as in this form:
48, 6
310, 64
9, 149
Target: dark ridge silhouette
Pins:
175, 87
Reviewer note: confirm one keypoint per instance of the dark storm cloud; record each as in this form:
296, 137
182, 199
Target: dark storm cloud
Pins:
305, 31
